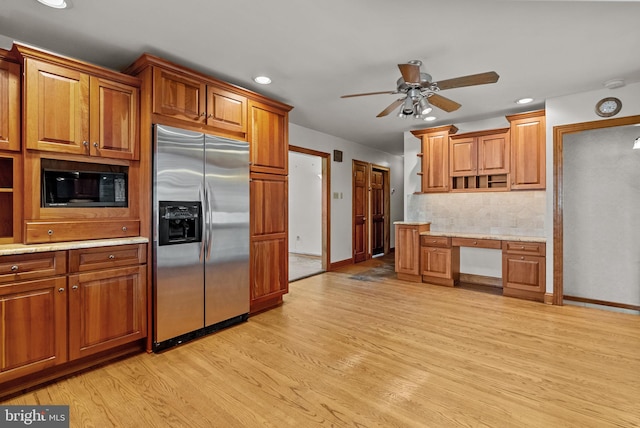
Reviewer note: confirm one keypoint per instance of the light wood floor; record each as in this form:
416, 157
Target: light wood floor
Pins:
346, 349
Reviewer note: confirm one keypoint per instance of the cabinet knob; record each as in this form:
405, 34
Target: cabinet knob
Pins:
434, 241
85, 143
124, 228
475, 242
111, 257
203, 114
433, 249
210, 116
522, 258
14, 268
522, 248
75, 287
60, 290
96, 145
50, 232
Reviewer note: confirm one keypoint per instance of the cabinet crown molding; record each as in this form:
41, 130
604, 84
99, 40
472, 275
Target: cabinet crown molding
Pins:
527, 115
480, 133
451, 129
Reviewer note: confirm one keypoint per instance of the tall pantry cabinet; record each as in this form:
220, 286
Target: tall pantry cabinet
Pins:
178, 96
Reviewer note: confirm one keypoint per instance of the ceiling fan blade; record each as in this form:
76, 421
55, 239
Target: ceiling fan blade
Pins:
368, 93
391, 107
410, 72
443, 103
471, 80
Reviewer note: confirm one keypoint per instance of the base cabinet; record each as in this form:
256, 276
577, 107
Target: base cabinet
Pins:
439, 261
407, 254
523, 270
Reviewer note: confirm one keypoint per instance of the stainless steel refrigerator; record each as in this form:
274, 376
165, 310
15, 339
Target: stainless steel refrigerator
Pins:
200, 236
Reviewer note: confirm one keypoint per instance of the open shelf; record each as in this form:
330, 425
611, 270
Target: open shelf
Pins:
480, 182
6, 199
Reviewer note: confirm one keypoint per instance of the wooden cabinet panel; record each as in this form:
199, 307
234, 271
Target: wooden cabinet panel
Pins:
407, 254
9, 105
114, 119
76, 230
269, 204
86, 259
435, 241
269, 267
33, 322
268, 139
463, 157
493, 154
523, 273
436, 262
226, 110
528, 151
56, 107
32, 266
525, 248
107, 308
178, 95
435, 157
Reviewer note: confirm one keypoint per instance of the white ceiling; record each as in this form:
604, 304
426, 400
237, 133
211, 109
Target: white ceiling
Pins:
317, 51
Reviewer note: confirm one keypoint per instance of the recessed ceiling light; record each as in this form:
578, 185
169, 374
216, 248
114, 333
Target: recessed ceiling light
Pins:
56, 4
263, 80
524, 100
430, 118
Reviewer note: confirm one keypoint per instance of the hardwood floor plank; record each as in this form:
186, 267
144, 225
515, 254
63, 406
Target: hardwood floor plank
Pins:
350, 348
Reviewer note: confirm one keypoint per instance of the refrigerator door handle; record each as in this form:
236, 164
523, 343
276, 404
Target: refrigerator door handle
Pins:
209, 227
203, 224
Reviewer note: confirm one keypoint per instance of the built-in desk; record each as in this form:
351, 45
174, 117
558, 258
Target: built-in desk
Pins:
523, 260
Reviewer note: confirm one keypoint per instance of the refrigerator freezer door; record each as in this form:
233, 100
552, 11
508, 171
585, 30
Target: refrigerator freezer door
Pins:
227, 221
179, 276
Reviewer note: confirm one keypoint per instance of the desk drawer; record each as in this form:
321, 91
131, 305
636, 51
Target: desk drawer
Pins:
32, 266
526, 248
478, 243
435, 241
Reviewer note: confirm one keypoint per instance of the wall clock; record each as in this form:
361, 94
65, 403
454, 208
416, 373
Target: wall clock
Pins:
608, 107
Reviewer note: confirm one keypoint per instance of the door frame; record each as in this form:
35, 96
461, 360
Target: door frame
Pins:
326, 201
386, 179
558, 192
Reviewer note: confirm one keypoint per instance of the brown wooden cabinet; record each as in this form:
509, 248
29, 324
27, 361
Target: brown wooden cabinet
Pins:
11, 191
439, 261
268, 138
269, 246
528, 150
435, 158
33, 313
71, 111
407, 254
9, 104
523, 270
479, 160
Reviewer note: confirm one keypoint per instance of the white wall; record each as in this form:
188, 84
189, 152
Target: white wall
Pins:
305, 204
341, 234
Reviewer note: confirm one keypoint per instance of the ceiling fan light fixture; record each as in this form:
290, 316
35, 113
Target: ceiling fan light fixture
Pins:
525, 100
423, 106
56, 4
407, 107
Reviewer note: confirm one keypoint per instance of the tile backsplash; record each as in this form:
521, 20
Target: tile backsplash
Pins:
518, 213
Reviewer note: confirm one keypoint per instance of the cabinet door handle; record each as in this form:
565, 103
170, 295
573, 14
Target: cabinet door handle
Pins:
60, 290
14, 268
50, 232
111, 257
124, 228
75, 287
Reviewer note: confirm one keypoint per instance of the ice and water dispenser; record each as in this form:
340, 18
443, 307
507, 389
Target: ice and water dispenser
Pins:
179, 222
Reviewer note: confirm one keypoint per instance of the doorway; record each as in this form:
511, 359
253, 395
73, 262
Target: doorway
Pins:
371, 209
309, 184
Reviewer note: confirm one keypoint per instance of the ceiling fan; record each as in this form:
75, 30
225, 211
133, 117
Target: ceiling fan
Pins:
420, 91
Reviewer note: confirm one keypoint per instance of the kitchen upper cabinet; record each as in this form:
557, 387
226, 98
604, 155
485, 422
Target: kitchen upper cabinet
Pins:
528, 150
435, 158
9, 104
268, 138
226, 110
74, 108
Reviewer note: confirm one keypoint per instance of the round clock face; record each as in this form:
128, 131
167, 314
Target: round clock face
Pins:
608, 107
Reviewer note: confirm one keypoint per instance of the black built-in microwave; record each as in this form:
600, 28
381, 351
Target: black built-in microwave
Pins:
69, 188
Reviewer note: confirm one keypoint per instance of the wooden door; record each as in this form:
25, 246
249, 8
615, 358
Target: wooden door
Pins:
268, 139
493, 154
178, 95
378, 212
107, 308
33, 322
9, 106
114, 119
360, 208
56, 108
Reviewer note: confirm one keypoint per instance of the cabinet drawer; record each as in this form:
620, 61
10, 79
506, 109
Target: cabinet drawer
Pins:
32, 266
87, 259
478, 243
435, 241
527, 248
60, 231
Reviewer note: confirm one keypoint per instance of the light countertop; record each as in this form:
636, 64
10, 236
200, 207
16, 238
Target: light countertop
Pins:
13, 249
412, 223
487, 236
